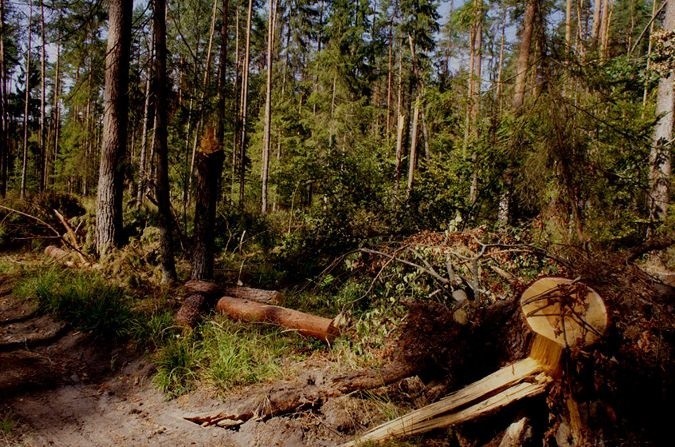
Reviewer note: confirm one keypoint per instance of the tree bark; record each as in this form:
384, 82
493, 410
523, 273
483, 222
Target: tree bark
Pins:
4, 143
522, 63
56, 117
306, 324
142, 163
42, 165
209, 166
113, 156
213, 290
412, 162
163, 192
244, 106
268, 105
659, 156
24, 161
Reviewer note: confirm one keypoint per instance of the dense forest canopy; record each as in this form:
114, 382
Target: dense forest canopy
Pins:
352, 119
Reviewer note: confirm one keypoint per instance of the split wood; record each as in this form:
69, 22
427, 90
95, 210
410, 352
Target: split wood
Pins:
565, 313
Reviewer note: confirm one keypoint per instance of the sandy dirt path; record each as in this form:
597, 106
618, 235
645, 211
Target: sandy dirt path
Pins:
127, 410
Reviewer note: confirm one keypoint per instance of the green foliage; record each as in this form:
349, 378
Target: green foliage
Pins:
155, 329
225, 354
83, 299
176, 364
6, 425
231, 355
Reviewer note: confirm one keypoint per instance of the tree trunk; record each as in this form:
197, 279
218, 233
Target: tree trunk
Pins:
244, 105
659, 156
4, 143
56, 117
522, 63
163, 191
202, 95
389, 81
568, 25
24, 162
649, 53
268, 104
142, 163
412, 162
209, 167
42, 165
595, 30
113, 157
607, 7
473, 97
400, 129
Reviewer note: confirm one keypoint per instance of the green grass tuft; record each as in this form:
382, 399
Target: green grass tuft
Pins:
226, 354
232, 355
176, 366
83, 299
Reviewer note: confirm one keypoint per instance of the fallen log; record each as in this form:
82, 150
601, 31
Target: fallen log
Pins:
302, 394
305, 324
59, 255
213, 290
190, 311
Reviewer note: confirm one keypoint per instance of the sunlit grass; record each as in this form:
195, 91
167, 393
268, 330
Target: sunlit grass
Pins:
81, 298
226, 354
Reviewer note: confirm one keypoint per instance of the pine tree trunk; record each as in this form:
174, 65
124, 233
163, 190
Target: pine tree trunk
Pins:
202, 95
162, 191
389, 81
659, 156
142, 174
568, 25
24, 162
649, 54
522, 63
209, 167
56, 118
268, 105
4, 143
595, 30
604, 28
412, 162
42, 165
400, 129
473, 109
244, 106
111, 172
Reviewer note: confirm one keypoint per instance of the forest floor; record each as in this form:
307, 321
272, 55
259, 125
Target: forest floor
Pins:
59, 387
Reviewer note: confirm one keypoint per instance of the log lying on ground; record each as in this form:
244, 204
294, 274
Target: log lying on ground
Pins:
213, 290
60, 255
190, 311
302, 394
306, 324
